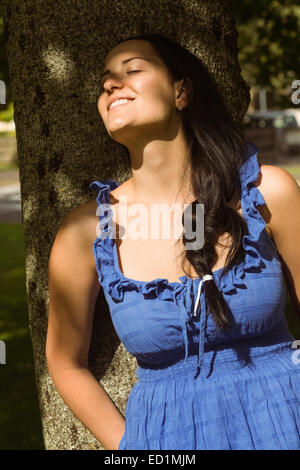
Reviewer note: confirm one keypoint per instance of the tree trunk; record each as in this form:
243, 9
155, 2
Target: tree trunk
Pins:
55, 54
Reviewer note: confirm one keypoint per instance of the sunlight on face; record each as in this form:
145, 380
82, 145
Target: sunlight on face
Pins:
144, 80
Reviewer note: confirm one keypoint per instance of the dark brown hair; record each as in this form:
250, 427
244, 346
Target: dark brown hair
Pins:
216, 152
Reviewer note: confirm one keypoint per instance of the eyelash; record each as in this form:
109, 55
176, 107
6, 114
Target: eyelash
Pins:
129, 71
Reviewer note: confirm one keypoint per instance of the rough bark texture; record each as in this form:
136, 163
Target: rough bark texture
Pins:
55, 52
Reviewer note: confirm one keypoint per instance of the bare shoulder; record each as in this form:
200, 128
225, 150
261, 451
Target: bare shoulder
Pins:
279, 189
75, 236
81, 222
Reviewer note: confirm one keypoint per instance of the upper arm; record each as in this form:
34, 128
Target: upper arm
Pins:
282, 195
73, 289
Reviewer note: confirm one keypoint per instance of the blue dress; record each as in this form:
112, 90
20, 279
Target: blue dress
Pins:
200, 388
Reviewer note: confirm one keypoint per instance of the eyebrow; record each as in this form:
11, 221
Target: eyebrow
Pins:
107, 71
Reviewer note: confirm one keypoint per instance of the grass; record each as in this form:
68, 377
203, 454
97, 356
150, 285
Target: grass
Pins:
7, 114
8, 134
5, 166
20, 423
294, 170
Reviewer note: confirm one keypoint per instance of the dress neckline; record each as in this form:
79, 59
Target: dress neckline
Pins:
182, 280
228, 281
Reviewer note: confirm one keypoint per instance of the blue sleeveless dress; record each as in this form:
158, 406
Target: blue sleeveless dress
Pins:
199, 388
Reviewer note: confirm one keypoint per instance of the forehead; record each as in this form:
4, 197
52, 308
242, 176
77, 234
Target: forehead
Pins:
131, 48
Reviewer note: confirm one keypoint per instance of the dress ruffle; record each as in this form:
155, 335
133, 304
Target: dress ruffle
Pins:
117, 284
182, 293
251, 197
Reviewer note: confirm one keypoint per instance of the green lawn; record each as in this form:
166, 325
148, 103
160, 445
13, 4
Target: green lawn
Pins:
5, 166
20, 424
294, 170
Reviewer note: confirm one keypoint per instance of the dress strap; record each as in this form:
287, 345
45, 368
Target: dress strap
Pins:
103, 245
104, 188
251, 197
254, 242
104, 211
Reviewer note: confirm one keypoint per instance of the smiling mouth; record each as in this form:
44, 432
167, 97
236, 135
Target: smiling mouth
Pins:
121, 104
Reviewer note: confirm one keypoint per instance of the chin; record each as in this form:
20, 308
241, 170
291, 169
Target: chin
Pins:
116, 132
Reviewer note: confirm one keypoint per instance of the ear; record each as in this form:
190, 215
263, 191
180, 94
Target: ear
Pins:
189, 88
184, 89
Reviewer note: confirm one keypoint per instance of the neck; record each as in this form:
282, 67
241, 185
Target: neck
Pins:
160, 172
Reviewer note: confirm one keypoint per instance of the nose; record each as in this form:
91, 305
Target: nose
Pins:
112, 83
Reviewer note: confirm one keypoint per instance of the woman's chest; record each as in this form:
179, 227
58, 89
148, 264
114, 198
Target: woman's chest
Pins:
149, 243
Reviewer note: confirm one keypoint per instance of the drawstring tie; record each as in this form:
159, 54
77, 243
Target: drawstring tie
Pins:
185, 316
203, 317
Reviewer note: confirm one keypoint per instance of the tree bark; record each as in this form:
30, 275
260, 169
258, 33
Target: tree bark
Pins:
55, 54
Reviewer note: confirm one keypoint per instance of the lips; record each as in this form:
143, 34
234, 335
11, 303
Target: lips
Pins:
120, 98
117, 105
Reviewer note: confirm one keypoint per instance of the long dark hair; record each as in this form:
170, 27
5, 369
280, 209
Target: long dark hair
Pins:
216, 150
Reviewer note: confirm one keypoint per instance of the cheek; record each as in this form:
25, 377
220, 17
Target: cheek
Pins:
153, 94
101, 105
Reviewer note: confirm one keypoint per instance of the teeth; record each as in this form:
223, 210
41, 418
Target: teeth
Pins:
115, 103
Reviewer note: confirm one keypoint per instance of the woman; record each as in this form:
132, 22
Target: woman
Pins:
216, 367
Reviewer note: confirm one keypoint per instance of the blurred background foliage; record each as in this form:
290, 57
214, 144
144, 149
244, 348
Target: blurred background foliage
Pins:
269, 46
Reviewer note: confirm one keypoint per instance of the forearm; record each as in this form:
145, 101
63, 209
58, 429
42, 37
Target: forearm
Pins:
89, 402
